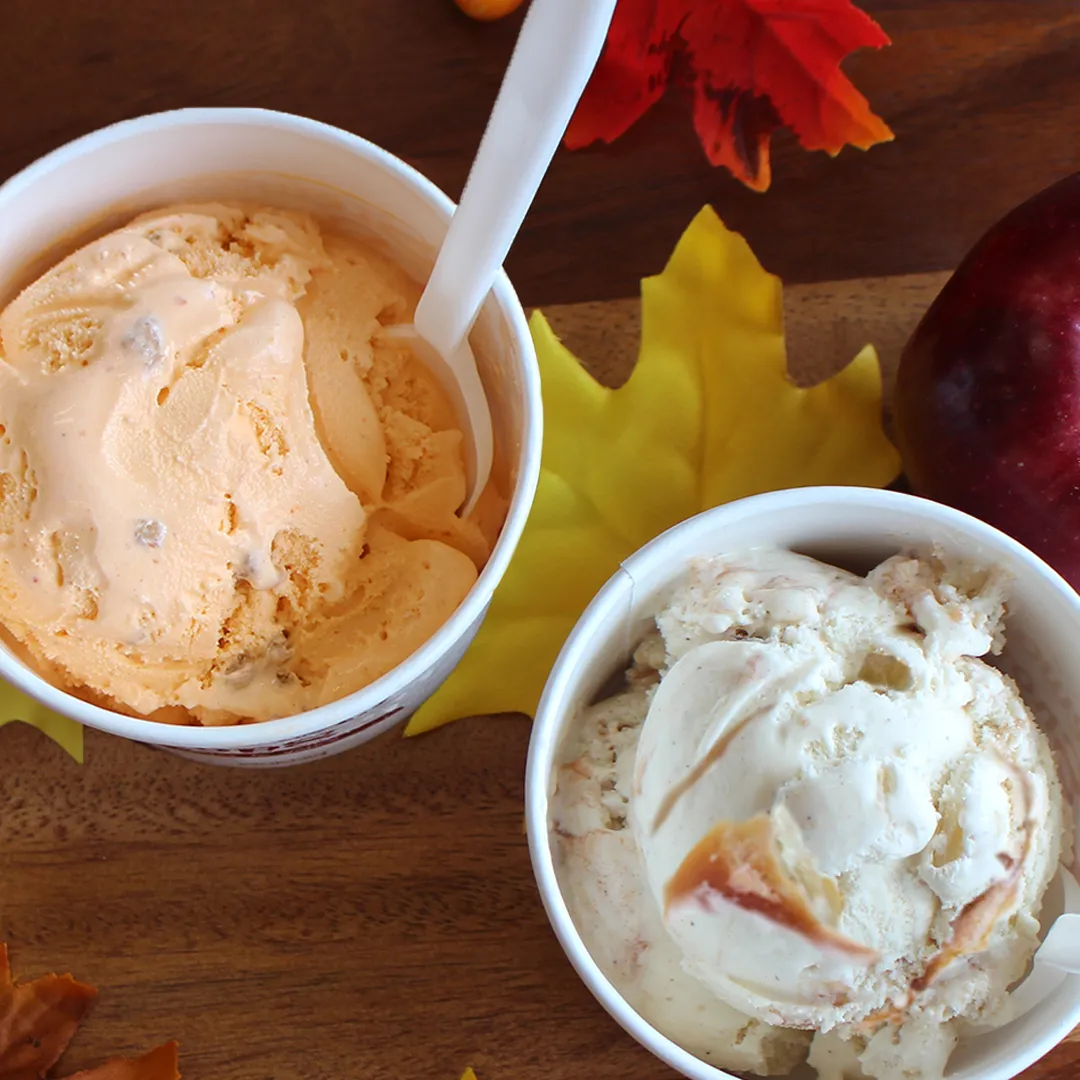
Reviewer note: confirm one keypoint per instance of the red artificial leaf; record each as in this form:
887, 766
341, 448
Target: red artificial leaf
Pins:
160, 1064
37, 1020
750, 66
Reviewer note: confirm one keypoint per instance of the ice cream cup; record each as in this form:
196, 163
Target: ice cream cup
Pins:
96, 183
855, 528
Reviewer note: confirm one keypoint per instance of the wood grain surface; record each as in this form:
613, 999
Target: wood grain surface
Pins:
984, 97
369, 917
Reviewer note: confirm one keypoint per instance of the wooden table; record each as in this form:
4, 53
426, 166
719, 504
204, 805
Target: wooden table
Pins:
373, 915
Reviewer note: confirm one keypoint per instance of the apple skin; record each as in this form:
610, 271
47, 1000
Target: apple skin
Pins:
987, 404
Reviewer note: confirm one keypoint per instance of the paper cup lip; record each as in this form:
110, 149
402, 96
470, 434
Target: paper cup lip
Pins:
573, 663
313, 721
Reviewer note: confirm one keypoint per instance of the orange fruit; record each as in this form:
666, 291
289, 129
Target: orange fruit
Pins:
487, 10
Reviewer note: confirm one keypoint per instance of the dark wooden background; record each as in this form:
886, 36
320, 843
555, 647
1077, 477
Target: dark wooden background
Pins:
984, 97
373, 917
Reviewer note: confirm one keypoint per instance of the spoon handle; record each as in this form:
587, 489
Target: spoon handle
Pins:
556, 51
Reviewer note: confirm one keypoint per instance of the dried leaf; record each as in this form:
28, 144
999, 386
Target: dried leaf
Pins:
160, 1064
37, 1020
750, 66
708, 415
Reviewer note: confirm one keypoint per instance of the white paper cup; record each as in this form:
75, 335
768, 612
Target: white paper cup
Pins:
855, 528
96, 183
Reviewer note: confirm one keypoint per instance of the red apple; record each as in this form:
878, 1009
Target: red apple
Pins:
987, 406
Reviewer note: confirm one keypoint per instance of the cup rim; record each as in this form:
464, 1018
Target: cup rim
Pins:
550, 721
312, 721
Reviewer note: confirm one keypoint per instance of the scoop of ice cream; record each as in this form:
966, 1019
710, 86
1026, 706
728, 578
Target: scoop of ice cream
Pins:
222, 497
843, 821
835, 806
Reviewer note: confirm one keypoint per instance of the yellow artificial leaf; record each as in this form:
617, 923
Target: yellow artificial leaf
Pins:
468, 1074
708, 415
17, 706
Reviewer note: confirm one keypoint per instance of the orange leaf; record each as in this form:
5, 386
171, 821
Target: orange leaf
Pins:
37, 1020
160, 1064
750, 66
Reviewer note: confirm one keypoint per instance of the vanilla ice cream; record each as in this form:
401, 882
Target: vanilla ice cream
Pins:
815, 823
223, 495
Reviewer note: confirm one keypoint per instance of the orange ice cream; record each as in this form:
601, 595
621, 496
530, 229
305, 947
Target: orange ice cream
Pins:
224, 497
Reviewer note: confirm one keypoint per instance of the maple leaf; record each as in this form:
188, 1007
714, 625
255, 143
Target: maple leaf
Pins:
708, 415
37, 1020
160, 1064
750, 66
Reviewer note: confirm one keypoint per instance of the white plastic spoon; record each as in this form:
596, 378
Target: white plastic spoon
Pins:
556, 51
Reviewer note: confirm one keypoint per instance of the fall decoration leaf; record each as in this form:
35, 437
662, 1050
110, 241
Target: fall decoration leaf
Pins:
15, 706
708, 415
750, 66
160, 1064
468, 1074
37, 1020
